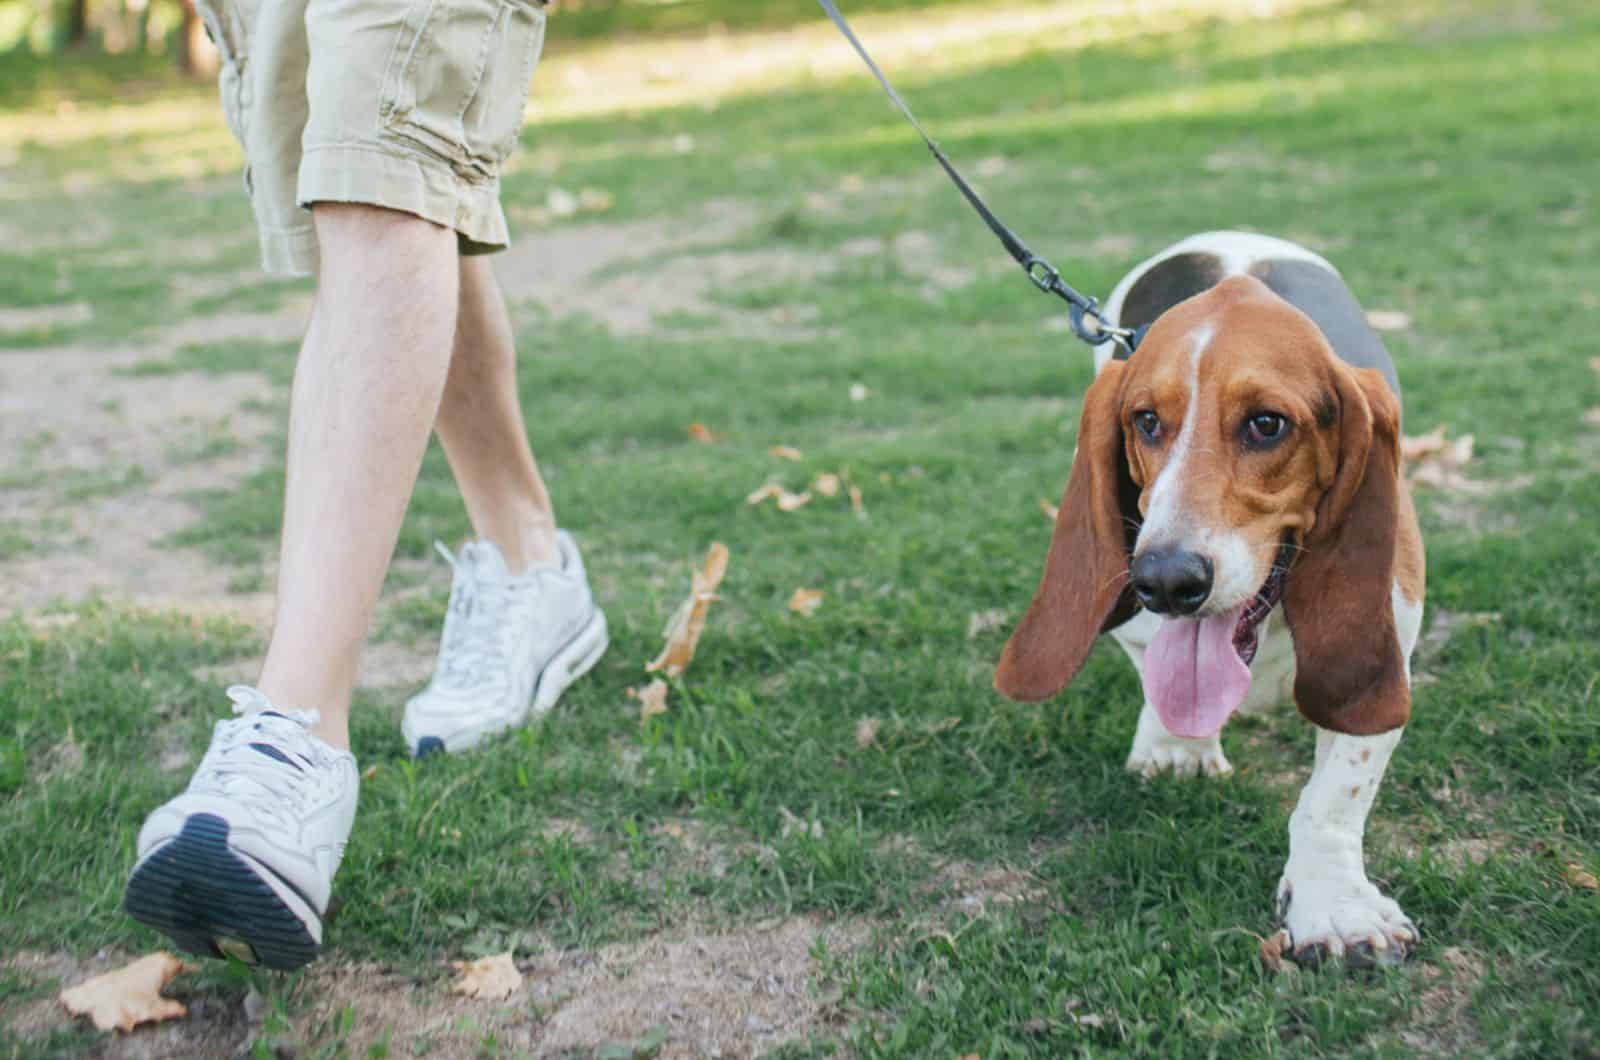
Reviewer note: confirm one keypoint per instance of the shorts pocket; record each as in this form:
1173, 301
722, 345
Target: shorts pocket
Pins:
458, 79
226, 31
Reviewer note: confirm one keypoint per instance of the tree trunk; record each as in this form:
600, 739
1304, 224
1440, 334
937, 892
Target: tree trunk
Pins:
77, 23
197, 56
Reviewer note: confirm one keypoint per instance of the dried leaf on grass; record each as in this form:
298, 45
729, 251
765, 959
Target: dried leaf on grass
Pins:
1272, 948
129, 996
787, 502
1578, 876
490, 978
785, 452
701, 433
1435, 446
805, 601
652, 698
1050, 511
1437, 461
867, 732
826, 483
684, 628
981, 622
1388, 319
856, 504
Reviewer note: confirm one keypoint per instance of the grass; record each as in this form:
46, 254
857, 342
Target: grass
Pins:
1440, 157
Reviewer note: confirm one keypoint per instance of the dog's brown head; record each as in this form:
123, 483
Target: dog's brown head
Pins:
1232, 462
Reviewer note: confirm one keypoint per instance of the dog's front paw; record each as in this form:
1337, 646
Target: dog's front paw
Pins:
1164, 753
1344, 918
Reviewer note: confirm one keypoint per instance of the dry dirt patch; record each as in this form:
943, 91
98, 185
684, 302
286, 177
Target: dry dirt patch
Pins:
731, 993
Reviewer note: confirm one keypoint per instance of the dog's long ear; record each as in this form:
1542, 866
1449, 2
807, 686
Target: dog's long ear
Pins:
1085, 585
1350, 675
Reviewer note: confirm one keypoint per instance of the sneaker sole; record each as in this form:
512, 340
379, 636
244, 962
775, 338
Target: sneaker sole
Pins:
214, 902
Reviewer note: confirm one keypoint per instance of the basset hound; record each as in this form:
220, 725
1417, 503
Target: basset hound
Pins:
1236, 520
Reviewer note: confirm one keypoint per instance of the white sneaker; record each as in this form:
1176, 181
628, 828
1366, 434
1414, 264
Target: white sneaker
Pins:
511, 646
241, 864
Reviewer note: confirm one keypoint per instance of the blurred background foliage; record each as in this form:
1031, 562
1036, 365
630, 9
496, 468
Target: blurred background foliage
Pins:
65, 48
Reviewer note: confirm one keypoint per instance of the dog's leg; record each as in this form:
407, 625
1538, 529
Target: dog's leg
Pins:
1155, 750
1326, 903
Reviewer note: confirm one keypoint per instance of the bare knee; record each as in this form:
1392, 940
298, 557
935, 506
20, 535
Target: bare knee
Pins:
376, 237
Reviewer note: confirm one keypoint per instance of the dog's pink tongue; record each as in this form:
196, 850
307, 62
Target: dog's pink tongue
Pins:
1193, 675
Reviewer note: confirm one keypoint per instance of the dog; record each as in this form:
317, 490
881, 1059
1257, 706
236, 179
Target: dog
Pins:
1236, 519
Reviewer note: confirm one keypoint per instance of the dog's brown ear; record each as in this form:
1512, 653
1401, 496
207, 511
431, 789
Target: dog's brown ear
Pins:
1349, 672
1085, 585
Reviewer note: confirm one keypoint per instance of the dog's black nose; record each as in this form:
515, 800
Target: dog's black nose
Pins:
1171, 581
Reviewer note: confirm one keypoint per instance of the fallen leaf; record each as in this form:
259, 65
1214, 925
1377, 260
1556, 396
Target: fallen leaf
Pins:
1050, 510
858, 392
1272, 948
787, 502
129, 996
652, 698
672, 829
791, 823
1594, 362
827, 484
785, 452
866, 732
369, 772
980, 622
805, 601
684, 628
560, 202
701, 433
856, 504
1578, 876
595, 200
491, 978
1388, 319
1437, 461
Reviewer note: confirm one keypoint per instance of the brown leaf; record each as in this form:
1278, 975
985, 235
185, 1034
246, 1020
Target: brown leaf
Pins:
491, 978
827, 484
701, 433
1578, 876
980, 622
856, 504
805, 601
1388, 319
785, 452
866, 732
369, 772
652, 698
1050, 510
129, 996
787, 502
1272, 949
684, 628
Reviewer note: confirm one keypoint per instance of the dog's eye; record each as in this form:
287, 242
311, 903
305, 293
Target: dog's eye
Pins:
1265, 429
1148, 423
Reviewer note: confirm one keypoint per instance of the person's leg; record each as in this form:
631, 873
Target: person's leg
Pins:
480, 426
366, 392
521, 624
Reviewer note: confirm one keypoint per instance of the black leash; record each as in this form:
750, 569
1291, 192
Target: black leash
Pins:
1081, 307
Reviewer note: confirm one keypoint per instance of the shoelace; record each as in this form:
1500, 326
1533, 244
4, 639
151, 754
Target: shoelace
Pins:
471, 652
264, 759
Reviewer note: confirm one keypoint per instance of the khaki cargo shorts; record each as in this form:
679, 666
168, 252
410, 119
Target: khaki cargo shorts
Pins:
407, 104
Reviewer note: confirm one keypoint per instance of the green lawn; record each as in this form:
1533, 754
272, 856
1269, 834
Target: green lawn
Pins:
1444, 159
